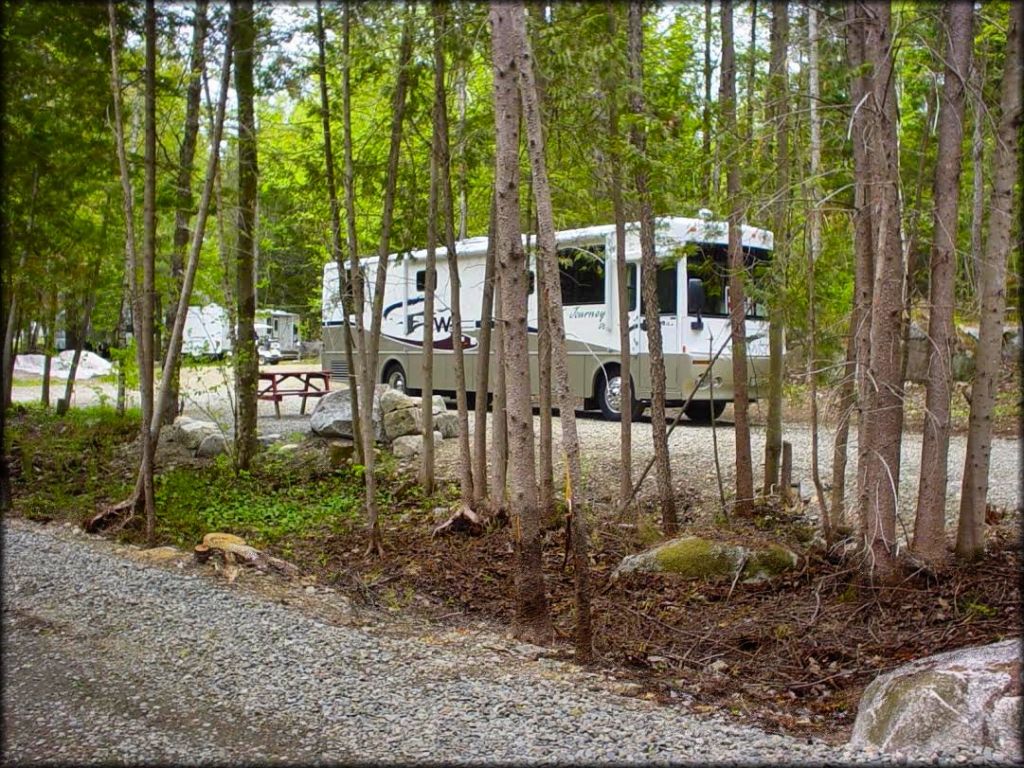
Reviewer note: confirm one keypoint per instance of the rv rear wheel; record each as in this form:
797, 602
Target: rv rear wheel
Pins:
394, 376
699, 411
609, 397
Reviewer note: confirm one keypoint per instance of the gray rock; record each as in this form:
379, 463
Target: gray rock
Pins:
439, 405
967, 699
691, 557
396, 400
407, 446
212, 445
190, 433
447, 423
332, 416
402, 422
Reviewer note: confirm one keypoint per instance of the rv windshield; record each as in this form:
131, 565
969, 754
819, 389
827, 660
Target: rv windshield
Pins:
710, 264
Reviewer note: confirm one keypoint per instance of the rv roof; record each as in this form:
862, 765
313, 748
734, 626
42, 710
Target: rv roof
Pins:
681, 228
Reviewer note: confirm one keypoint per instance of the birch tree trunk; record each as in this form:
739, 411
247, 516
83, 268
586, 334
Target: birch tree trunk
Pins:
173, 353
183, 193
369, 347
649, 277
813, 254
970, 536
532, 620
930, 523
737, 298
548, 275
483, 364
448, 209
344, 283
778, 104
615, 192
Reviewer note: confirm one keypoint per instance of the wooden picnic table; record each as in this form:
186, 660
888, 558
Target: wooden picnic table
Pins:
277, 385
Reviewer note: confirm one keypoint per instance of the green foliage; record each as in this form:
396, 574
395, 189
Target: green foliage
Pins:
60, 464
276, 499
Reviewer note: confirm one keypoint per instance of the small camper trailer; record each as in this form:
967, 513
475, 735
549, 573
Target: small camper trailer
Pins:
207, 332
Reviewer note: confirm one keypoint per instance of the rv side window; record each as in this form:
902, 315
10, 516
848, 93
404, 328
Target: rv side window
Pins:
581, 275
532, 283
631, 286
666, 289
421, 280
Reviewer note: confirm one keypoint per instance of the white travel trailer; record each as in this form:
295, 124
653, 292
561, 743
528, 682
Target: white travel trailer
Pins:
693, 299
283, 327
206, 332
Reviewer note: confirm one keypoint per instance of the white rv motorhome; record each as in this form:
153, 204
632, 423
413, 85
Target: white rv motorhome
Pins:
693, 302
206, 332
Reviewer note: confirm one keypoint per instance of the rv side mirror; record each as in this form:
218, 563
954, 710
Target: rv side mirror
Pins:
695, 300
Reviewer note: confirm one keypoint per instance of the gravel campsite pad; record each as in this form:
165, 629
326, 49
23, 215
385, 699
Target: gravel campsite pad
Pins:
107, 659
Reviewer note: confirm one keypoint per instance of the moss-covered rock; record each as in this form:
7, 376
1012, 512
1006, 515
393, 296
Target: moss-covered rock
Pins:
693, 557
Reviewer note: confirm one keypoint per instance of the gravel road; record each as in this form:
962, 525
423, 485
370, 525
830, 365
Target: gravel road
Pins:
108, 659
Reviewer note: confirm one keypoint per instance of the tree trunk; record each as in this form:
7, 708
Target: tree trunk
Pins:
778, 105
483, 360
183, 204
146, 352
970, 537
448, 207
173, 354
547, 273
813, 254
737, 299
751, 75
621, 274
427, 463
930, 522
649, 277
533, 619
344, 284
710, 172
499, 419
369, 347
979, 114
246, 363
882, 406
49, 342
545, 448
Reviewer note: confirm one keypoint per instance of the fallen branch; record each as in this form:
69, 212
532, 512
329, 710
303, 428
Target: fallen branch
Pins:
232, 549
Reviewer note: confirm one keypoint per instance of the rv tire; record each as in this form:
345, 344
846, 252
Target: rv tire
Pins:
606, 395
699, 411
394, 376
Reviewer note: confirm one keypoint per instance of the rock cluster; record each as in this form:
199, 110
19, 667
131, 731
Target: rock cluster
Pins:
397, 419
204, 438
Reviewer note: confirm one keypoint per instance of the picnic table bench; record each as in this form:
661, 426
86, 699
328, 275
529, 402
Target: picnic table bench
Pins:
277, 385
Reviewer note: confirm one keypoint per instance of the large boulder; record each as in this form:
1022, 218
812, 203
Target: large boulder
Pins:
407, 446
964, 698
332, 416
447, 423
692, 557
212, 445
402, 422
191, 432
396, 400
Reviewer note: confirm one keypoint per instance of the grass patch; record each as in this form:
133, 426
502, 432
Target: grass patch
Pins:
273, 501
66, 468
61, 464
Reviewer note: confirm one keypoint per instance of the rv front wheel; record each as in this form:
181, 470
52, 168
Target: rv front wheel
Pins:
609, 397
394, 376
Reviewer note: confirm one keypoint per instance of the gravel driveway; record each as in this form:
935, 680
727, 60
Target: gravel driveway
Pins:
107, 659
